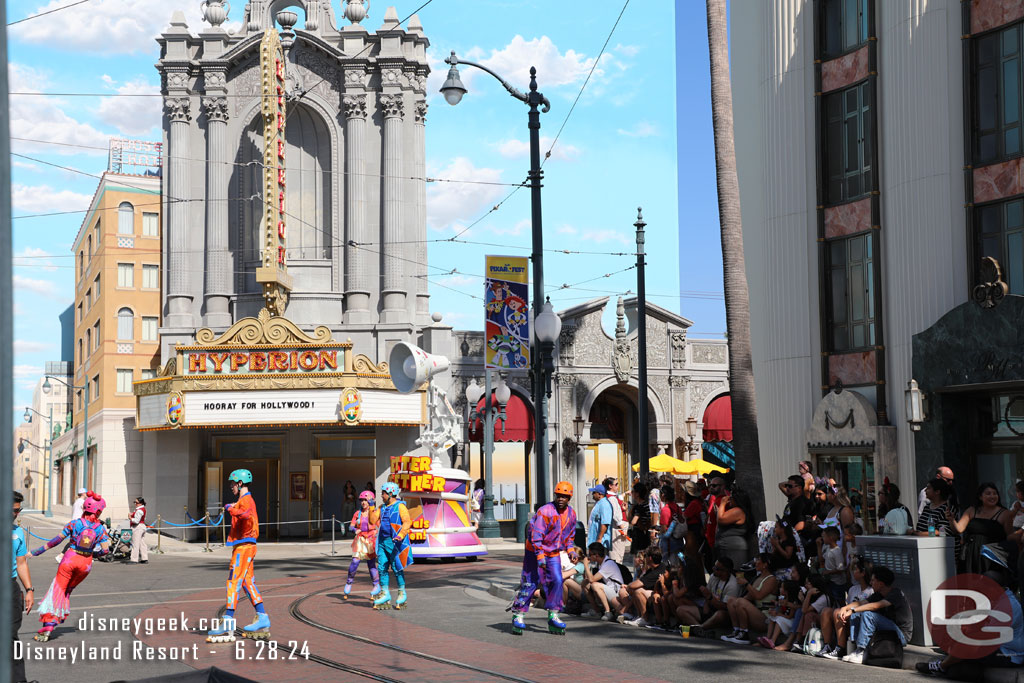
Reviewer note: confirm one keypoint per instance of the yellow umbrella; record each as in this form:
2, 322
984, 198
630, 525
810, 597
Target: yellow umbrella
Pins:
698, 466
660, 463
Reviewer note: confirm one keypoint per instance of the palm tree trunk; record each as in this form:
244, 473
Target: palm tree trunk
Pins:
737, 302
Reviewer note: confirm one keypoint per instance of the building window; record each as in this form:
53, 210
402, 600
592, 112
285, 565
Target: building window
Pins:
998, 84
81, 263
96, 334
150, 225
849, 131
149, 326
150, 277
148, 373
851, 315
125, 274
95, 389
80, 356
88, 241
999, 233
844, 26
88, 340
96, 287
79, 313
124, 381
88, 298
78, 400
125, 219
125, 324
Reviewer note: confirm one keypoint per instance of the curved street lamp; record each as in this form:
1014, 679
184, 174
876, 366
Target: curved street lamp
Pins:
453, 91
27, 417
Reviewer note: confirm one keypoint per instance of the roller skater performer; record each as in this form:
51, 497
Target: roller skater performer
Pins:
87, 539
394, 550
364, 545
242, 538
550, 532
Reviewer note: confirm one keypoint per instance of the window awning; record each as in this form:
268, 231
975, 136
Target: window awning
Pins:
718, 420
518, 422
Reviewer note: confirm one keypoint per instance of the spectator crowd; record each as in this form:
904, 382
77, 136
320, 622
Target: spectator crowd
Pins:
692, 556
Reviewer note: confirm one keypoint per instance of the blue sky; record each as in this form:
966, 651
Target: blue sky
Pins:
618, 150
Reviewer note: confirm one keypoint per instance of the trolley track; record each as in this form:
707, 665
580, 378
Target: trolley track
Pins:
295, 609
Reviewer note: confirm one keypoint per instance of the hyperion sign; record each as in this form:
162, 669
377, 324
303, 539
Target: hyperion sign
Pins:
273, 270
507, 313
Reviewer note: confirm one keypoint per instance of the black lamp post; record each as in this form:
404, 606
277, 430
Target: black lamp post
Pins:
453, 90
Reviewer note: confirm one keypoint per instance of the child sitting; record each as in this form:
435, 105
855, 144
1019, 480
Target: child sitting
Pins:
781, 616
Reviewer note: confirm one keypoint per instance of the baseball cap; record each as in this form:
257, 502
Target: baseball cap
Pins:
598, 489
81, 491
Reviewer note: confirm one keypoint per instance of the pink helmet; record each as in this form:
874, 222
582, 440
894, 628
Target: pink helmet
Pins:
94, 503
366, 495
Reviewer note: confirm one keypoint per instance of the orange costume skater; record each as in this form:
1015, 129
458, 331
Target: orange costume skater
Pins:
364, 545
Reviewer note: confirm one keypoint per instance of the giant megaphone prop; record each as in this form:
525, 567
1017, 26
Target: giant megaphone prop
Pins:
410, 366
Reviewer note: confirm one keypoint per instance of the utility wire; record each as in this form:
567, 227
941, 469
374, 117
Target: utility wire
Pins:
43, 14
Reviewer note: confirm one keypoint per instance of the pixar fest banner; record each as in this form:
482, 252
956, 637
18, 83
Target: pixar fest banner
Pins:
507, 313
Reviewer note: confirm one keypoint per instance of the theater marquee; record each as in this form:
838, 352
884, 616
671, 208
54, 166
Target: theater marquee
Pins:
267, 371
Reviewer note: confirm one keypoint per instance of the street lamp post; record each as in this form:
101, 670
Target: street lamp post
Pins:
643, 422
453, 90
47, 387
547, 327
49, 453
494, 409
691, 434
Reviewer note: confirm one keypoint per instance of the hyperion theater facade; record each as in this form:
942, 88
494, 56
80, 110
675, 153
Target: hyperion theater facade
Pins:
293, 250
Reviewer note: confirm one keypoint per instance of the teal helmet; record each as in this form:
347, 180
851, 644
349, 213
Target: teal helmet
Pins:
241, 476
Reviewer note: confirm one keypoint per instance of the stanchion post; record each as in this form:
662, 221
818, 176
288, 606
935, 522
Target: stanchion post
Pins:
334, 523
206, 527
158, 535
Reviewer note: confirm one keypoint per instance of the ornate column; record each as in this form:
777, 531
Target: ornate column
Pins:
178, 107
218, 261
357, 284
420, 226
394, 293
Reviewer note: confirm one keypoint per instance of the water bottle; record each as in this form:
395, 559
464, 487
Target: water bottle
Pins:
931, 528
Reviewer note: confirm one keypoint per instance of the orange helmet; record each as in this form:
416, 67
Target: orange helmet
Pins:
564, 488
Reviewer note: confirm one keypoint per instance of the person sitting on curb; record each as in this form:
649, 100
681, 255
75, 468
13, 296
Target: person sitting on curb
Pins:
602, 586
886, 609
749, 613
640, 591
862, 569
721, 589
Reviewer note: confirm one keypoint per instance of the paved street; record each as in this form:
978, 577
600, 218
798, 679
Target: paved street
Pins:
451, 619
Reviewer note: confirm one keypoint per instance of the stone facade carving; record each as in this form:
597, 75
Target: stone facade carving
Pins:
245, 82
179, 109
708, 354
216, 108
565, 379
699, 391
215, 79
657, 344
391, 77
263, 329
678, 350
316, 71
566, 345
421, 112
177, 79
591, 346
624, 356
355, 78
676, 381
392, 106
355, 106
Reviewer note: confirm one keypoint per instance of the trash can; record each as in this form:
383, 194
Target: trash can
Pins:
522, 517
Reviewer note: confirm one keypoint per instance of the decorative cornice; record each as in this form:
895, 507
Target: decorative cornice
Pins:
391, 77
263, 329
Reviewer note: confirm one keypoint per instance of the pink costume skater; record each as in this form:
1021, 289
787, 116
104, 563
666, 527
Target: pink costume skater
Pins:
364, 545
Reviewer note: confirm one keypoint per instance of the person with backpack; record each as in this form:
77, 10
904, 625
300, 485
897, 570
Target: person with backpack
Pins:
886, 609
897, 520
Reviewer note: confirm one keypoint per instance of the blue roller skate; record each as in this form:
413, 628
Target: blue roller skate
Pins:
383, 601
348, 589
259, 629
402, 599
225, 633
555, 625
518, 624
376, 590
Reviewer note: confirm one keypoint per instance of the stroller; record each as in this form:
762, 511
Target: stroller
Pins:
120, 545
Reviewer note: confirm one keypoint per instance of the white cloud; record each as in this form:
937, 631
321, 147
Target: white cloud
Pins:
22, 346
107, 26
133, 116
17, 163
43, 118
44, 199
33, 257
27, 371
567, 230
643, 129
519, 149
602, 236
553, 67
628, 50
41, 287
452, 206
458, 281
516, 229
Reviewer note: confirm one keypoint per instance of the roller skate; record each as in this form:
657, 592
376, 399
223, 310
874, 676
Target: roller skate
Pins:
518, 624
384, 601
402, 599
259, 629
555, 625
224, 634
376, 590
348, 589
44, 633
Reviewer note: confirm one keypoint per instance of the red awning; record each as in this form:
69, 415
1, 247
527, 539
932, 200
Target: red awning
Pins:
518, 422
718, 420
